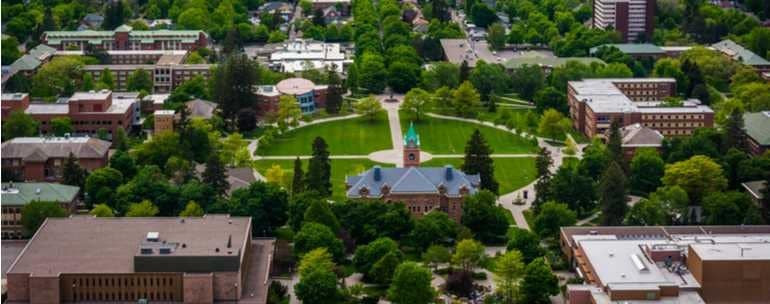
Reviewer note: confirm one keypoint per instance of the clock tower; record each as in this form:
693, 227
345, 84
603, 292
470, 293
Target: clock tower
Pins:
411, 147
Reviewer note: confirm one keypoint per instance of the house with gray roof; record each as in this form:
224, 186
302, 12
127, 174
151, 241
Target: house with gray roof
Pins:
636, 136
756, 127
635, 50
43, 158
200, 108
17, 195
739, 53
421, 189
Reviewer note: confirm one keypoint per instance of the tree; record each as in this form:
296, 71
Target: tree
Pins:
192, 209
734, 136
369, 107
34, 214
482, 15
314, 235
334, 92
289, 112
403, 75
730, 208
101, 184
120, 140
372, 74
543, 163
10, 50
319, 212
647, 168
72, 173
612, 195
102, 210
411, 285
433, 228
478, 160
527, 80
698, 176
318, 176
144, 209
436, 254
465, 99
366, 256
61, 126
233, 42
298, 180
647, 212
576, 190
551, 217
318, 287
468, 254
317, 259
482, 216
19, 124
416, 101
232, 85
508, 269
496, 36
489, 79
440, 74
57, 77
140, 80
553, 124
115, 14
526, 242
465, 71
266, 203
215, 174
106, 80
615, 143
367, 220
538, 283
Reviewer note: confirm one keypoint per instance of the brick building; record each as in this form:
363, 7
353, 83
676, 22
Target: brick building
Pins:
634, 19
167, 72
595, 103
42, 158
672, 264
17, 195
309, 95
343, 6
422, 189
160, 260
12, 102
164, 121
126, 38
756, 129
88, 111
636, 136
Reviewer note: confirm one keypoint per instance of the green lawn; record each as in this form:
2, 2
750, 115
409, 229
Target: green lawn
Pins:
357, 136
511, 173
340, 168
444, 136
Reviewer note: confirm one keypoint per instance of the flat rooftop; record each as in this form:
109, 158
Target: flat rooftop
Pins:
86, 244
733, 251
603, 96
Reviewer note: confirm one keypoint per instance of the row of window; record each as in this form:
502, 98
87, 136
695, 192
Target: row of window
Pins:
674, 124
672, 116
676, 132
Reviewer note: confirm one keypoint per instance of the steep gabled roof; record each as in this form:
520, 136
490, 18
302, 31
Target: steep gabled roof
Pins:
43, 148
412, 180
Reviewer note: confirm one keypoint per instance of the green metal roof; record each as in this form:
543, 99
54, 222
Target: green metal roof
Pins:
25, 63
757, 126
547, 61
63, 35
411, 135
633, 48
738, 52
21, 194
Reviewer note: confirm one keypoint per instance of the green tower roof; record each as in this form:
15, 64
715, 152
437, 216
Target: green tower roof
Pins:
411, 136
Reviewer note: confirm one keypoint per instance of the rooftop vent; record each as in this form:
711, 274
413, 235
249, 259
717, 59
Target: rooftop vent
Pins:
145, 250
639, 263
377, 173
153, 236
164, 250
448, 172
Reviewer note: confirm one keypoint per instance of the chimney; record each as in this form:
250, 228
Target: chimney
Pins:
448, 172
377, 173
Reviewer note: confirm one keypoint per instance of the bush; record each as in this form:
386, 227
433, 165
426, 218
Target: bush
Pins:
277, 293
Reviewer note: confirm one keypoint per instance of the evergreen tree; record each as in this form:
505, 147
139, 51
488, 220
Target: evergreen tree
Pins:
72, 173
114, 14
318, 18
465, 71
440, 10
615, 143
612, 195
543, 163
734, 131
334, 93
215, 175
106, 79
232, 42
320, 212
298, 182
319, 169
49, 23
232, 85
694, 74
478, 160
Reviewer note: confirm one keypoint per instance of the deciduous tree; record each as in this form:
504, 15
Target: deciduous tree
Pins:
698, 176
143, 209
19, 124
417, 101
411, 285
538, 283
34, 214
551, 217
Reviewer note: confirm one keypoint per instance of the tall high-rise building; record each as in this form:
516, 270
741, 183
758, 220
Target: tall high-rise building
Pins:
631, 18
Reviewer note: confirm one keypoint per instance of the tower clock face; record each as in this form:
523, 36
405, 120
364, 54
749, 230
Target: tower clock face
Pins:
411, 156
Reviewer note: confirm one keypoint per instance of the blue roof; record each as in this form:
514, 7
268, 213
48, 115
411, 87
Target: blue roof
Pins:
412, 180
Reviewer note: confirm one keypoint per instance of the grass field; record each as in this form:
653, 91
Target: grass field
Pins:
511, 173
444, 136
357, 136
340, 168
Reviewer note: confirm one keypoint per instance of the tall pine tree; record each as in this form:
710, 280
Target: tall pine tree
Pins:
612, 195
334, 93
233, 82
319, 169
465, 71
478, 160
543, 163
615, 143
298, 181
215, 175
734, 131
72, 173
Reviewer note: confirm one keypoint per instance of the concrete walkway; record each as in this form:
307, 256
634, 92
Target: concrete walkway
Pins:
395, 155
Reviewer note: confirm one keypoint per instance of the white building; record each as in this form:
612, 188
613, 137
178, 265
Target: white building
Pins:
300, 55
631, 18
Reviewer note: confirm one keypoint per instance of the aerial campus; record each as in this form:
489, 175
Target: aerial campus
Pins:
386, 151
